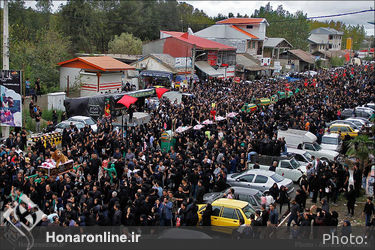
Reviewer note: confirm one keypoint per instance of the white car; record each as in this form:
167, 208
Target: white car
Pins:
360, 121
303, 157
66, 124
85, 120
331, 141
316, 150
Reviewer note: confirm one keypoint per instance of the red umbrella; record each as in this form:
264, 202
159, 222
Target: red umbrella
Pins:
127, 100
160, 92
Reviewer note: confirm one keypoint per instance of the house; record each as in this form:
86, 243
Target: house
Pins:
296, 60
93, 75
323, 39
212, 59
245, 34
273, 46
160, 69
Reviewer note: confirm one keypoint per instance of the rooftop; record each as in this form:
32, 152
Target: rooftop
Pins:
242, 21
103, 63
199, 42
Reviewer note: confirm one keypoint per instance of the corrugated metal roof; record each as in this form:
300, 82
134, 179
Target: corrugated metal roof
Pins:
202, 43
272, 42
104, 63
244, 60
326, 30
303, 55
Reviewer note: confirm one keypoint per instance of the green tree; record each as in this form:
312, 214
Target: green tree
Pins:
125, 44
361, 147
292, 27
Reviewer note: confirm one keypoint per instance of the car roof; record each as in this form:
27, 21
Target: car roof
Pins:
334, 135
68, 122
259, 171
229, 203
250, 191
80, 117
340, 125
296, 151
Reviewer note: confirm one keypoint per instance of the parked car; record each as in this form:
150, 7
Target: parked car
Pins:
370, 105
302, 156
287, 166
253, 196
259, 179
343, 130
85, 120
228, 212
316, 150
346, 121
66, 124
360, 121
331, 141
358, 112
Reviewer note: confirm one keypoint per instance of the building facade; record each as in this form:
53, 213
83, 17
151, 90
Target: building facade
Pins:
325, 39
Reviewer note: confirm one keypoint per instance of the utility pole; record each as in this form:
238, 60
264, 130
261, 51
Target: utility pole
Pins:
5, 129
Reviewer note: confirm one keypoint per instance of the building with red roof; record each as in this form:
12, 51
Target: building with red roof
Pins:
245, 34
93, 75
210, 57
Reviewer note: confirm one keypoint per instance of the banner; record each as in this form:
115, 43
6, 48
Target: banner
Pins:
11, 99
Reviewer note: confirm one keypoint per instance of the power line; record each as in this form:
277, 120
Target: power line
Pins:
342, 14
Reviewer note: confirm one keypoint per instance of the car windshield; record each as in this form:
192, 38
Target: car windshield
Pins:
235, 175
308, 156
329, 140
61, 125
317, 147
295, 164
277, 178
89, 122
258, 197
248, 210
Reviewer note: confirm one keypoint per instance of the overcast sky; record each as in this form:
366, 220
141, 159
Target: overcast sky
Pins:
312, 8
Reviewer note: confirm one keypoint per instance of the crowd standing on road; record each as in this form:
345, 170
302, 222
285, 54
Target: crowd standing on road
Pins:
131, 181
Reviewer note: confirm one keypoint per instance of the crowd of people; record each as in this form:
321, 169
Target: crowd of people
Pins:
126, 179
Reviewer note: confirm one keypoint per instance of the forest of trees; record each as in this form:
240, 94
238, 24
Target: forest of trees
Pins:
40, 38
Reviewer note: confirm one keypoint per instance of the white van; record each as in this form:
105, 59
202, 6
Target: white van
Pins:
295, 137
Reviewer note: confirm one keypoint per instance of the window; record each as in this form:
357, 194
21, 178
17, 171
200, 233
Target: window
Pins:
309, 147
299, 158
249, 44
277, 178
252, 201
253, 44
243, 197
249, 26
229, 213
247, 178
344, 129
285, 164
240, 216
215, 211
334, 129
261, 179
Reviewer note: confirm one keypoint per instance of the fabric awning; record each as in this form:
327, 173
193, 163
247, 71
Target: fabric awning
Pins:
206, 68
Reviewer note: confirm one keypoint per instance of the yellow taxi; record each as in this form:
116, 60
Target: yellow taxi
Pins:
343, 129
228, 212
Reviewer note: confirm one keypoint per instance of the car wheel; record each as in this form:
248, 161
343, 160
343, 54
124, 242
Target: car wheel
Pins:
324, 159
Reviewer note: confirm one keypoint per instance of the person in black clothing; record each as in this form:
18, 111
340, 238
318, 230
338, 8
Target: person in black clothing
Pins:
283, 198
273, 167
314, 187
256, 165
54, 117
369, 210
351, 198
357, 178
206, 217
274, 191
200, 192
294, 211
